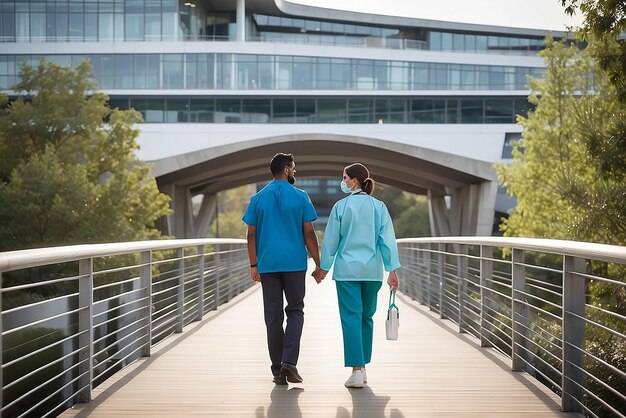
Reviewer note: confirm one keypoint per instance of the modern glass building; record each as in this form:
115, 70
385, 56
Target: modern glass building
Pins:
225, 71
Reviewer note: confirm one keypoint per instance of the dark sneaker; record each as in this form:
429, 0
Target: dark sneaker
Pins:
279, 380
290, 372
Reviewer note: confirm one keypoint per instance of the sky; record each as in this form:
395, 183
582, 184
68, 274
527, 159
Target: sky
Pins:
531, 14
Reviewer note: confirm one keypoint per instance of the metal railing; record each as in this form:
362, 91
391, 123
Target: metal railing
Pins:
72, 316
556, 308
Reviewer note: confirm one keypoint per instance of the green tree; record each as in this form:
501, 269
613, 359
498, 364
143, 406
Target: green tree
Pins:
606, 20
551, 150
68, 171
568, 179
570, 185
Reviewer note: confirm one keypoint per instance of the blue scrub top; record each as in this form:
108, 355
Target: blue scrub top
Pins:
278, 212
359, 240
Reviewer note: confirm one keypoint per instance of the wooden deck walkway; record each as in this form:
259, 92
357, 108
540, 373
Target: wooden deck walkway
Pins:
220, 368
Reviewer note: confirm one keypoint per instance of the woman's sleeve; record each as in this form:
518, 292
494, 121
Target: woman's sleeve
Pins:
331, 240
387, 241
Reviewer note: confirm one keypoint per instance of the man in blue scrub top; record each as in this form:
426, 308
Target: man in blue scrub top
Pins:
279, 220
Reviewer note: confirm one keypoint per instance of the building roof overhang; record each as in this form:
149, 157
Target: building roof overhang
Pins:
290, 9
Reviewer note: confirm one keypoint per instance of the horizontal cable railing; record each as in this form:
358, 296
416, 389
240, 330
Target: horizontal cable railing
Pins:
73, 316
556, 308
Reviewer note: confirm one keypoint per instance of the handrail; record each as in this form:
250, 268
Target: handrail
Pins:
604, 252
80, 313
20, 259
542, 312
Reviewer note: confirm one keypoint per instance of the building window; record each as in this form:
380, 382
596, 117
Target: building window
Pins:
331, 111
471, 111
251, 72
499, 111
435, 110
509, 139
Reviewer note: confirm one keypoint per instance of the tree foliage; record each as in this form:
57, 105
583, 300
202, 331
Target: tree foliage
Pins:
568, 174
68, 172
605, 19
566, 179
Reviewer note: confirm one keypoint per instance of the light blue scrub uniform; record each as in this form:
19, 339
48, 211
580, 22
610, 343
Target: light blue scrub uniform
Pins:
360, 241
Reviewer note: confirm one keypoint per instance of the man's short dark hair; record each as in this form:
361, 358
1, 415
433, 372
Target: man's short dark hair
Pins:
280, 161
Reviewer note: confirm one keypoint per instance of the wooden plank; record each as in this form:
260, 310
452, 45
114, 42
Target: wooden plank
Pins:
220, 367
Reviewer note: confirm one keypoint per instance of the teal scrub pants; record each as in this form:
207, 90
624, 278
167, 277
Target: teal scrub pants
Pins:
357, 305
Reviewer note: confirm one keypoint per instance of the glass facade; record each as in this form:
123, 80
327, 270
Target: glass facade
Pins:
285, 29
167, 20
483, 43
438, 110
278, 72
71, 20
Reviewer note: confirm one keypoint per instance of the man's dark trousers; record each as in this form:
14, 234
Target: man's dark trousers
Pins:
283, 344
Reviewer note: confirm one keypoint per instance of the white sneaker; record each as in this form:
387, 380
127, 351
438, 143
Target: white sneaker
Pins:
355, 380
364, 374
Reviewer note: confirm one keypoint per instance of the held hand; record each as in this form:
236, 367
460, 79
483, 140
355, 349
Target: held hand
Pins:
254, 274
319, 275
392, 281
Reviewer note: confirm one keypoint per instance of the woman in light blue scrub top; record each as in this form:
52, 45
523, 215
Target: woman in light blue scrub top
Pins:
360, 241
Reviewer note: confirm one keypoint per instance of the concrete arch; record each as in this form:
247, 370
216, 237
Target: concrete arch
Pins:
461, 190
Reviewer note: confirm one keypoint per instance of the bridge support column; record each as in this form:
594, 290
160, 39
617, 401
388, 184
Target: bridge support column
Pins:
182, 223
467, 210
206, 215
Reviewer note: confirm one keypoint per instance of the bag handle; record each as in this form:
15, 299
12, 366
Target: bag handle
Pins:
392, 301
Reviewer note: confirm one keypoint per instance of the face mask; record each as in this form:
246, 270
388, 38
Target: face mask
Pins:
291, 179
345, 188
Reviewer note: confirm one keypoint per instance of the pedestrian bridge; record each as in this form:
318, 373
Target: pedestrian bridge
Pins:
489, 327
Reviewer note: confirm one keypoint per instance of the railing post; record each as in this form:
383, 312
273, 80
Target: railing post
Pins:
414, 261
431, 300
573, 333
428, 254
200, 296
519, 311
441, 267
486, 276
181, 290
145, 280
461, 283
217, 259
229, 267
1, 346
418, 269
85, 328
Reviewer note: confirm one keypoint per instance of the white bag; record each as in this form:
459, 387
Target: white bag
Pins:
393, 318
